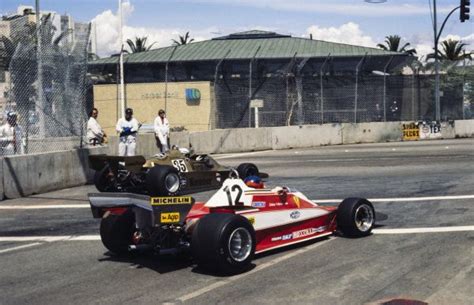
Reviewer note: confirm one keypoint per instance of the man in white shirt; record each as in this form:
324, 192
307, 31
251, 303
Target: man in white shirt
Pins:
11, 136
127, 128
95, 133
162, 131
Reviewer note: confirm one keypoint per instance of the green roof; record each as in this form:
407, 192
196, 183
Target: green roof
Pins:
247, 45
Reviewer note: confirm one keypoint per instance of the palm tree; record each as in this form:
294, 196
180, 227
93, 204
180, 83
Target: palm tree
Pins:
453, 50
139, 45
392, 43
183, 40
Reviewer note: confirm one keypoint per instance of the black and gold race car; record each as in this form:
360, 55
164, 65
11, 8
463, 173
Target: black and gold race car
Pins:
177, 172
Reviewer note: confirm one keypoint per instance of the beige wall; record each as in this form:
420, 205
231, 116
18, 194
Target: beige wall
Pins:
147, 98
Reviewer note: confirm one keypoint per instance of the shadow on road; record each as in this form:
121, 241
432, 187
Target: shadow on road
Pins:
158, 263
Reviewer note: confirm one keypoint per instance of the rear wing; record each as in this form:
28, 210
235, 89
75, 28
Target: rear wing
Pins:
135, 163
155, 211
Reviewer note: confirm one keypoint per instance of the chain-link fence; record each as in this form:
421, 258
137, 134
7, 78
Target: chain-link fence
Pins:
45, 85
310, 91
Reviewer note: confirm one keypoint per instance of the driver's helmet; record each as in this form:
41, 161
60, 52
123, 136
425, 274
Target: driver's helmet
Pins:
254, 182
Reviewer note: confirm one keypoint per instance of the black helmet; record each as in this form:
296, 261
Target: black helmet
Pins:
129, 111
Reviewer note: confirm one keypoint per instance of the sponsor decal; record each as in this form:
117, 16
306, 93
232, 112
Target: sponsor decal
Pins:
169, 217
307, 232
258, 204
295, 214
300, 233
296, 200
411, 132
251, 220
171, 200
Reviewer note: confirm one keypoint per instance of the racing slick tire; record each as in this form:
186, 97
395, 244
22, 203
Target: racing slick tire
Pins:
163, 180
224, 243
116, 231
355, 217
247, 169
103, 181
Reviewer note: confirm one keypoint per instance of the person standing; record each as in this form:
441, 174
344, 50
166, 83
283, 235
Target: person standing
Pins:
95, 133
127, 128
162, 131
11, 136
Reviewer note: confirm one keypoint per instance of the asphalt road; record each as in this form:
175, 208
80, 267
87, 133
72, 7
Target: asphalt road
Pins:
422, 248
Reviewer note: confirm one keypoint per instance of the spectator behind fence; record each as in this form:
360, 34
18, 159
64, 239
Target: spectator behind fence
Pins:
11, 136
162, 132
127, 128
95, 133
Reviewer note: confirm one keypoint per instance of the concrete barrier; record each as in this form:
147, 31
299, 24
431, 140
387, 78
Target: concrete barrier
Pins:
25, 175
306, 136
231, 140
371, 132
464, 129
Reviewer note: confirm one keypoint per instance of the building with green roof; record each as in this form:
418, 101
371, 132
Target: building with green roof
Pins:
299, 80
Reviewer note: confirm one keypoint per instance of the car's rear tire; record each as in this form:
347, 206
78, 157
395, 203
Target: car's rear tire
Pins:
224, 243
247, 169
163, 180
104, 180
355, 217
116, 231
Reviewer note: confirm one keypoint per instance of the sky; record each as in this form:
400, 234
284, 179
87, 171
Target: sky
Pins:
347, 21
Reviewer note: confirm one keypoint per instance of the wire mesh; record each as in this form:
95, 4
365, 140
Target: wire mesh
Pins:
46, 85
296, 95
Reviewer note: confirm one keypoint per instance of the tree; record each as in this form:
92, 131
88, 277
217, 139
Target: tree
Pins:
392, 43
182, 40
139, 45
452, 50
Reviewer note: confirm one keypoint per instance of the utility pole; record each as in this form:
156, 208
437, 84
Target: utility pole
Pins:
435, 29
122, 86
39, 75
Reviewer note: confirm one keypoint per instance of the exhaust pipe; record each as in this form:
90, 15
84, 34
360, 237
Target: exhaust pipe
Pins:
139, 248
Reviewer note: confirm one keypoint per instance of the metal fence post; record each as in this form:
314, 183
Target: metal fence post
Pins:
322, 87
385, 89
357, 87
250, 85
166, 77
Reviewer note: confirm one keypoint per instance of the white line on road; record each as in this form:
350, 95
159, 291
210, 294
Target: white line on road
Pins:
424, 230
19, 247
406, 199
50, 238
218, 284
41, 207
228, 156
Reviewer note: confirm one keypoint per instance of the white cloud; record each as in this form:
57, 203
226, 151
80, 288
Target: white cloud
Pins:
107, 30
347, 8
348, 33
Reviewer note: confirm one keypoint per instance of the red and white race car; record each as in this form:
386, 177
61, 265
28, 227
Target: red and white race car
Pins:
225, 232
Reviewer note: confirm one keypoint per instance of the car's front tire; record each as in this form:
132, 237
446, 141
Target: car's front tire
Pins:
116, 231
355, 217
224, 243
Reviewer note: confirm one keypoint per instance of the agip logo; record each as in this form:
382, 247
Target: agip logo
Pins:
193, 96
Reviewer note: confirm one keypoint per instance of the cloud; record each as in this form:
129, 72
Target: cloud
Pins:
347, 8
107, 31
348, 33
